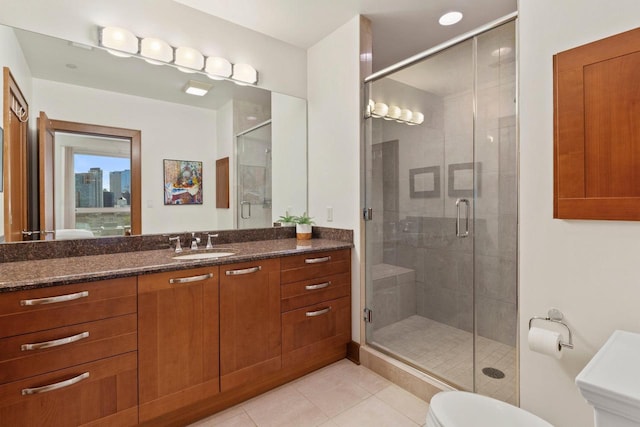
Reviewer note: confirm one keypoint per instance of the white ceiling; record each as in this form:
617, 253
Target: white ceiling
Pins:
401, 28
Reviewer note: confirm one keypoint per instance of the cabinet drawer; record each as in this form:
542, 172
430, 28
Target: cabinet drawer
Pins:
319, 264
105, 390
310, 331
24, 356
34, 310
313, 291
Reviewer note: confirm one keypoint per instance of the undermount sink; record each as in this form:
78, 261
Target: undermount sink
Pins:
203, 255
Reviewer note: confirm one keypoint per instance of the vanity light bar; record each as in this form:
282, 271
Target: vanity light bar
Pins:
400, 115
123, 43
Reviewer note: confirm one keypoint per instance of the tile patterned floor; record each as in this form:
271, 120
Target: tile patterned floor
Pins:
447, 352
341, 395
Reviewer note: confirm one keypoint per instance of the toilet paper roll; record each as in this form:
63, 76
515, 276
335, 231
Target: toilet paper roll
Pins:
546, 342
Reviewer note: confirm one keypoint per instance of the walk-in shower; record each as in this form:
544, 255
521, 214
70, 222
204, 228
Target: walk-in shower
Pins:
441, 263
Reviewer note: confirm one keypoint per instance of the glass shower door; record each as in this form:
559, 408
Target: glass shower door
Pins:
253, 153
441, 252
420, 239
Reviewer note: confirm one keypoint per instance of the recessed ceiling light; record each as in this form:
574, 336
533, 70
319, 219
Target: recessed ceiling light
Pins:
450, 18
194, 87
252, 118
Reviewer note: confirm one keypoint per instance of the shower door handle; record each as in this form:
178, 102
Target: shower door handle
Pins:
466, 219
242, 204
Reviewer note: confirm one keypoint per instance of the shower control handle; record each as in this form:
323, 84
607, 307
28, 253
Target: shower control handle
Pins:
464, 233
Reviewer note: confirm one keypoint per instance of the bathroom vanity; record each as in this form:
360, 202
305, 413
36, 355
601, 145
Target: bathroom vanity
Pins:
143, 338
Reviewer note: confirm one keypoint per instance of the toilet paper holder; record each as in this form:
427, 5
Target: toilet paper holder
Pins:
554, 315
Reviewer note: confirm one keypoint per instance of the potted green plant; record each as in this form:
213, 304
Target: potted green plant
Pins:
303, 226
287, 220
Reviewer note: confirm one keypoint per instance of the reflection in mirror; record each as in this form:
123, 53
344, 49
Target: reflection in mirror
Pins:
85, 84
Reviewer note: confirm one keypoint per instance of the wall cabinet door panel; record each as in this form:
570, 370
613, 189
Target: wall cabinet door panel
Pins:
597, 131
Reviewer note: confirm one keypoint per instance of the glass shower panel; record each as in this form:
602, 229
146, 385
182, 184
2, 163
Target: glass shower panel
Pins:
420, 182
254, 167
496, 215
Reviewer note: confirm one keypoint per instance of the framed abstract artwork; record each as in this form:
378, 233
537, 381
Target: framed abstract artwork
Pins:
182, 182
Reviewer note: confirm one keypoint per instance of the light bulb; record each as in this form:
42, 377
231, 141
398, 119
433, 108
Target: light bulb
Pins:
405, 115
450, 18
156, 51
189, 60
394, 113
245, 74
417, 118
218, 68
380, 109
122, 41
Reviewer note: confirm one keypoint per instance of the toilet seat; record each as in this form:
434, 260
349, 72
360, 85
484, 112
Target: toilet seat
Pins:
463, 409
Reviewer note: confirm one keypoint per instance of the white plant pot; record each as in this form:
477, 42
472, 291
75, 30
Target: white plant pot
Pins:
303, 231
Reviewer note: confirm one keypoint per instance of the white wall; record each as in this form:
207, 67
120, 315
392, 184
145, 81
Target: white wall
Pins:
192, 136
587, 269
334, 140
11, 56
289, 154
225, 148
281, 67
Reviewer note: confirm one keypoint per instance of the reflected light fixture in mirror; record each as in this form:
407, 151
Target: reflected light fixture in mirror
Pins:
155, 51
118, 41
194, 87
218, 68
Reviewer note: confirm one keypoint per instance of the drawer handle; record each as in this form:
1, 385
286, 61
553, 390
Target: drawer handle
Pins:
53, 300
243, 271
318, 286
54, 343
191, 279
319, 312
317, 260
55, 386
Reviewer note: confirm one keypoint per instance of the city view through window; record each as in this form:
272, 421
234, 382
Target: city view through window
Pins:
102, 194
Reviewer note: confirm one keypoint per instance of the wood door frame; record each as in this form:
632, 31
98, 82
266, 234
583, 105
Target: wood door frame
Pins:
135, 136
11, 88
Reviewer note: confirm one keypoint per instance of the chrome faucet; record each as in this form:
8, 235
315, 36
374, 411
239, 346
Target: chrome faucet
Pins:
194, 241
177, 240
209, 236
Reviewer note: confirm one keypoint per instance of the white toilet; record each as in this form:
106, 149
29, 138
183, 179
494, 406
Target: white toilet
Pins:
611, 381
463, 409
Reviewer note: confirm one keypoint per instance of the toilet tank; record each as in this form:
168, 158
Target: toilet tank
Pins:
611, 381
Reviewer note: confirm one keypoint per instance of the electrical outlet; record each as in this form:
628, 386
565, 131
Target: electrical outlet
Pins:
329, 213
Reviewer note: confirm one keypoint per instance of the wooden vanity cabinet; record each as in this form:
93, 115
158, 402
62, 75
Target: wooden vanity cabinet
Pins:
250, 340
316, 307
178, 344
68, 355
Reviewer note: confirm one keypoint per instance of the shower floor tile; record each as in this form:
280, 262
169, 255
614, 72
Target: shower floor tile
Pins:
446, 352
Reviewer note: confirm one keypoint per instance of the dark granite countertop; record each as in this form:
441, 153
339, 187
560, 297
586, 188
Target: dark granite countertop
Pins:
23, 275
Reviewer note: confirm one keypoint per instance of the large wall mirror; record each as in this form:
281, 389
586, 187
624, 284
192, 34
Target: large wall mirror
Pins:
92, 174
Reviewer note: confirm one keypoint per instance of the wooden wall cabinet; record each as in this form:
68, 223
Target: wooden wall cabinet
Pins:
597, 130
250, 342
178, 330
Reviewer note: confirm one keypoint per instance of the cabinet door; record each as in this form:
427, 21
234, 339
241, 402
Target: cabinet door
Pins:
178, 339
250, 341
597, 131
